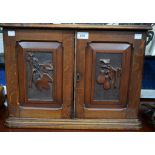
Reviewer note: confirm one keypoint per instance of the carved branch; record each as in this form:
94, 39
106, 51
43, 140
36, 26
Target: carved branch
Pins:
39, 74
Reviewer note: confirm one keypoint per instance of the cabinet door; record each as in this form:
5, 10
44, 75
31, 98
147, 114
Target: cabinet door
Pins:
44, 72
103, 69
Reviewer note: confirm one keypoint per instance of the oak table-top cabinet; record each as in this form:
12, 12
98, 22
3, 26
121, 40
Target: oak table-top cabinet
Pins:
74, 76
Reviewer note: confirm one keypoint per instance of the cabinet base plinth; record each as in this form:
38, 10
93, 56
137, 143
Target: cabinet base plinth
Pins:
123, 124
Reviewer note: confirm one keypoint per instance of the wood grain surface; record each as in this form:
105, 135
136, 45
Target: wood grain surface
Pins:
75, 80
77, 26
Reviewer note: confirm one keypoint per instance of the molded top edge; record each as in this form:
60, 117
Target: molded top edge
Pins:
77, 26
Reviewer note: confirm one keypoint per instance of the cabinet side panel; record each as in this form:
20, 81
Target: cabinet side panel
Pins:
11, 73
136, 78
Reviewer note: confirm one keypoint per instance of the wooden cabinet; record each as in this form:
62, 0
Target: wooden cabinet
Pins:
56, 79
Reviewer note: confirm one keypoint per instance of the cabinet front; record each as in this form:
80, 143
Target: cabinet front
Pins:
44, 70
103, 70
52, 74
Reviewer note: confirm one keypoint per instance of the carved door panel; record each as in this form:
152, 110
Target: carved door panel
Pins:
45, 75
103, 68
40, 68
